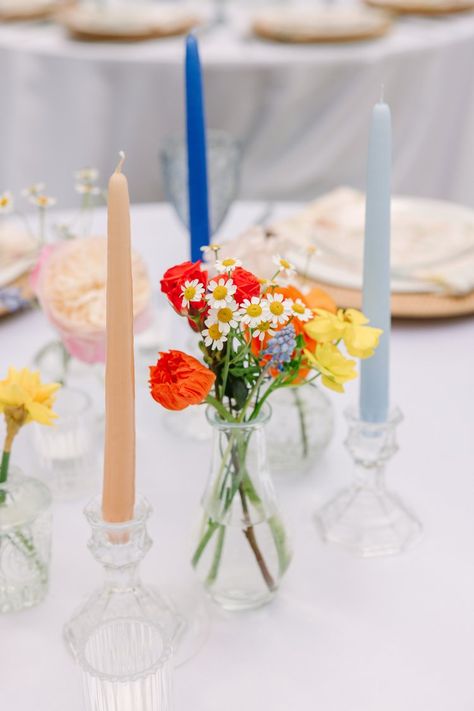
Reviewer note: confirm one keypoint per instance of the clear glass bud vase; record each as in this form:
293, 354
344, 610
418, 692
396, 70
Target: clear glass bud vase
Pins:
25, 541
242, 551
300, 429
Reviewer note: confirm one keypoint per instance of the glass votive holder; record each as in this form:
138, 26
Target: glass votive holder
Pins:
127, 666
67, 451
25, 541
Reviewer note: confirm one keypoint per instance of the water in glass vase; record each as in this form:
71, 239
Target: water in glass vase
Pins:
242, 550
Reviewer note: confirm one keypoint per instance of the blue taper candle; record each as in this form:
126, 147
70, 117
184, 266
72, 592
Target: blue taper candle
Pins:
374, 383
197, 158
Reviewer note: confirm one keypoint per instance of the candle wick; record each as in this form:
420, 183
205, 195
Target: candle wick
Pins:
118, 169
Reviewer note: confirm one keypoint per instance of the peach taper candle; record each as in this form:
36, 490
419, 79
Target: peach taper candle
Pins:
118, 496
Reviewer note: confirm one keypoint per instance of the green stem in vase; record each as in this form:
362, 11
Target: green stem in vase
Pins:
249, 533
302, 420
212, 527
217, 556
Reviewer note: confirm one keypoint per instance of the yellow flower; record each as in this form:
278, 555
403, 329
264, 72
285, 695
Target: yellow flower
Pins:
23, 397
335, 369
348, 325
360, 340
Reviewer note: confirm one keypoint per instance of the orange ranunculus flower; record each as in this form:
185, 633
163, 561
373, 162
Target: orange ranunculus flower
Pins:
179, 380
317, 298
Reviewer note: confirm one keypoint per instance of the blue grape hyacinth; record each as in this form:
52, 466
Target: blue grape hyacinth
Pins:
281, 347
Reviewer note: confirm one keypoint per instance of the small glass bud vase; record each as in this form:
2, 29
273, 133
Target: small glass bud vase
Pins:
367, 518
300, 429
25, 541
122, 608
242, 551
67, 451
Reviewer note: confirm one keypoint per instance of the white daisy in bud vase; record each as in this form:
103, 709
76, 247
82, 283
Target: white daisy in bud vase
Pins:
192, 292
226, 266
221, 292
277, 309
252, 311
225, 317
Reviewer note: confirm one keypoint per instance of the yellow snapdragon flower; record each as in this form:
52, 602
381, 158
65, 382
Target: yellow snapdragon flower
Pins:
335, 368
25, 398
348, 325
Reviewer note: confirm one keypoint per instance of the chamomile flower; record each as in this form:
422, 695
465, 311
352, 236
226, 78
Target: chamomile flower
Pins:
211, 249
277, 309
192, 291
284, 266
6, 202
300, 311
225, 317
227, 265
33, 190
86, 175
263, 329
221, 292
87, 189
252, 311
42, 201
214, 337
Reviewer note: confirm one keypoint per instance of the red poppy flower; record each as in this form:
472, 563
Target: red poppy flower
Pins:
179, 380
247, 284
174, 279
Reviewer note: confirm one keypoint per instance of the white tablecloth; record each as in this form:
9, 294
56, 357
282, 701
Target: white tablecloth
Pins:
344, 634
302, 113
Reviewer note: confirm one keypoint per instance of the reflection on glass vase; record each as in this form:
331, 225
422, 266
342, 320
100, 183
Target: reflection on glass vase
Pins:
25, 541
242, 551
301, 427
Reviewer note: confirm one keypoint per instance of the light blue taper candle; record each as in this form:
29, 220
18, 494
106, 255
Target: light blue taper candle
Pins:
198, 199
374, 383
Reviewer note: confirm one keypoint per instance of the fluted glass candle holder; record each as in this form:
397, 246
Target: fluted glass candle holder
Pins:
367, 518
122, 608
127, 666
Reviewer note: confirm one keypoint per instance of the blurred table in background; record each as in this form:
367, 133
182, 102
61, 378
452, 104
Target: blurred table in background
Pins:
301, 112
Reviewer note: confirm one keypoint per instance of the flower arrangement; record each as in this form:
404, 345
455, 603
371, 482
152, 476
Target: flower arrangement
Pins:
70, 283
85, 185
256, 336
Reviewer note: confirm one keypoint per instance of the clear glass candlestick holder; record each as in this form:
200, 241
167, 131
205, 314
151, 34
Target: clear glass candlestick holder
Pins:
25, 541
367, 518
122, 599
67, 451
127, 666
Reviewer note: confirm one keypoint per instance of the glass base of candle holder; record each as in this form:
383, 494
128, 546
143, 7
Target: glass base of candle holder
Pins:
120, 547
126, 666
366, 518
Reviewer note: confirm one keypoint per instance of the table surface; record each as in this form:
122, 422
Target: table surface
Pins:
344, 634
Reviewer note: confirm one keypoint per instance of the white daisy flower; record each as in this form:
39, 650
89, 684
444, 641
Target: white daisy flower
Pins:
301, 311
284, 266
43, 201
87, 175
87, 189
220, 292
225, 317
214, 337
35, 189
6, 202
252, 311
228, 265
263, 329
277, 309
208, 248
192, 291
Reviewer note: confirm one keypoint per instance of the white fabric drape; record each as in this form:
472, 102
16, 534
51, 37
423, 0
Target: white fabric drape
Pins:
302, 113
